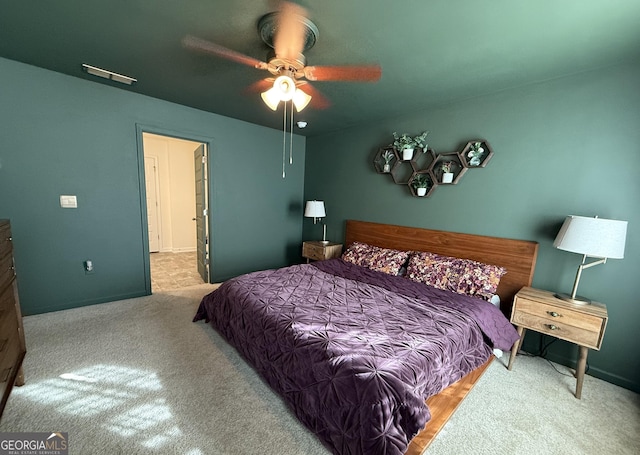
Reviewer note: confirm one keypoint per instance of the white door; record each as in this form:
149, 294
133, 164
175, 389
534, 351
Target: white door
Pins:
202, 238
153, 208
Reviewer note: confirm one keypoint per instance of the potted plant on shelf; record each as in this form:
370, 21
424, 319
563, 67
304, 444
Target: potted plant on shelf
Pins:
420, 182
475, 154
387, 156
406, 144
447, 174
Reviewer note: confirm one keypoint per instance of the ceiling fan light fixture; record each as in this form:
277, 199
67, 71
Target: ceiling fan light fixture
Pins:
271, 98
300, 99
285, 86
284, 89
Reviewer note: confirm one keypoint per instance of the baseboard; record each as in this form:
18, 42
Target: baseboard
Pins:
82, 303
184, 250
596, 372
178, 250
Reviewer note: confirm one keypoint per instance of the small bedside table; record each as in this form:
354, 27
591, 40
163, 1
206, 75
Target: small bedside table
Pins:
318, 251
541, 311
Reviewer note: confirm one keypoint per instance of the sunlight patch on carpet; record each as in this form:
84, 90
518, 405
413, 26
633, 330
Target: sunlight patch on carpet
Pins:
126, 399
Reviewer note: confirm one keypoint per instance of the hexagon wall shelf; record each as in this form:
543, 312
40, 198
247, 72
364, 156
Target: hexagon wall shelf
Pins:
474, 154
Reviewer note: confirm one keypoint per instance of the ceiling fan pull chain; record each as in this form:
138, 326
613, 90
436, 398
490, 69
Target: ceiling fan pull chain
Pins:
284, 140
291, 136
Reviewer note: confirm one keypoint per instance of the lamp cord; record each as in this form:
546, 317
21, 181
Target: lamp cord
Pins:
542, 353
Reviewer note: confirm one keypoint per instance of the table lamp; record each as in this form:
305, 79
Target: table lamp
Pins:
315, 210
592, 237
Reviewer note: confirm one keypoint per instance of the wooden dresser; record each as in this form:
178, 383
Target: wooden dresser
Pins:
12, 345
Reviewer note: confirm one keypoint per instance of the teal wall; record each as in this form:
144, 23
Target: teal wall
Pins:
566, 146
64, 135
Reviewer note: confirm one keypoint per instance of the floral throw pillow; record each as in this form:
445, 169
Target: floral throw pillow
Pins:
462, 276
375, 258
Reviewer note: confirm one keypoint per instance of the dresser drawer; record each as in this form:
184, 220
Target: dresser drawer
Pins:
566, 332
8, 332
313, 251
567, 324
6, 271
8, 369
10, 351
318, 251
7, 301
6, 245
562, 315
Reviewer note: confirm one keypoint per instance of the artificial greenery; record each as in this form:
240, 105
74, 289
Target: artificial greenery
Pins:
404, 141
420, 181
447, 166
387, 156
475, 153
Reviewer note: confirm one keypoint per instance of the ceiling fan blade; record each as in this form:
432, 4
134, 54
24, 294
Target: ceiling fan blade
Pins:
318, 100
290, 33
199, 44
260, 86
365, 73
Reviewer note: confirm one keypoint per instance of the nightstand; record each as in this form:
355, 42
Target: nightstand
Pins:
318, 251
541, 311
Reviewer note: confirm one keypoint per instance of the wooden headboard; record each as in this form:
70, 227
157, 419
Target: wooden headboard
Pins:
517, 256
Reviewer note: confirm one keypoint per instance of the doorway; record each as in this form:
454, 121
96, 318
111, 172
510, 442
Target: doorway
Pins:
177, 208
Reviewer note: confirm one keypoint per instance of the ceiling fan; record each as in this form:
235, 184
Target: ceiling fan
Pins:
289, 32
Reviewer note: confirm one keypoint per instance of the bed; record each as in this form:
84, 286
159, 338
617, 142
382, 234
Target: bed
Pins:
355, 351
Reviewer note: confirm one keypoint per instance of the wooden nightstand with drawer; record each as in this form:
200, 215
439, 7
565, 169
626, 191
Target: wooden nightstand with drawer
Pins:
539, 310
319, 251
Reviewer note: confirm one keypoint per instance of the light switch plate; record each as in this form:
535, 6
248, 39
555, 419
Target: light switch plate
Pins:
68, 202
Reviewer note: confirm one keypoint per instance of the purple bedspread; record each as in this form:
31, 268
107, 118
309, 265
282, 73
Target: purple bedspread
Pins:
355, 353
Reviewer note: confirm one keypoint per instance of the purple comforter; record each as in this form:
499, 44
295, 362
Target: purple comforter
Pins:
355, 353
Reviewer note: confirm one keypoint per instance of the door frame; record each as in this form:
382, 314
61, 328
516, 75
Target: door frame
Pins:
208, 141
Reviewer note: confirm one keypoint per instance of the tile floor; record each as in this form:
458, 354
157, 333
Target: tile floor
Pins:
173, 271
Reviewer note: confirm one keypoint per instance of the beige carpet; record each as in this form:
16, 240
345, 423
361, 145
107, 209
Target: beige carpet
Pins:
138, 377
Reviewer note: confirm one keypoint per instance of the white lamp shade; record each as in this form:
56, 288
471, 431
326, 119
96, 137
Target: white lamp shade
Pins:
314, 209
284, 89
595, 237
300, 99
271, 98
285, 86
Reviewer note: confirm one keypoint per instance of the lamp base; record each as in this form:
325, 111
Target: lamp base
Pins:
324, 242
577, 301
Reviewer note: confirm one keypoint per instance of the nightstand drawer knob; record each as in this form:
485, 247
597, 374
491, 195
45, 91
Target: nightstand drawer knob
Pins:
553, 327
553, 314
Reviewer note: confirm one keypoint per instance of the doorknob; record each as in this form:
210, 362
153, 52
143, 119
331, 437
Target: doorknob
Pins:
193, 219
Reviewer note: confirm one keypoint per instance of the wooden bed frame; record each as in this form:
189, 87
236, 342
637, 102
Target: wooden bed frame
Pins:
517, 256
